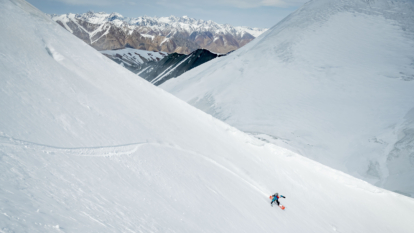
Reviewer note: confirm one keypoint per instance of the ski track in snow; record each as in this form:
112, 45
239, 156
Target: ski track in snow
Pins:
128, 149
115, 150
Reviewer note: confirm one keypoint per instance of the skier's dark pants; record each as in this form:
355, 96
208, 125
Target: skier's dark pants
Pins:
277, 201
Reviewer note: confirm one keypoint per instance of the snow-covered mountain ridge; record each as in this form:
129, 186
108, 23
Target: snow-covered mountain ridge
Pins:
183, 23
334, 81
169, 34
86, 146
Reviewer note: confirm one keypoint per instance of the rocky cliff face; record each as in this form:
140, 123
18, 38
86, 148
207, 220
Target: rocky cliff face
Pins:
158, 67
169, 34
130, 57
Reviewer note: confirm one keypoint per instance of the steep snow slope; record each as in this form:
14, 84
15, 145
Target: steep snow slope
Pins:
333, 81
86, 146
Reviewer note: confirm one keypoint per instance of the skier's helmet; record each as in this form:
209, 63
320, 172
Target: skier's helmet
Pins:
276, 194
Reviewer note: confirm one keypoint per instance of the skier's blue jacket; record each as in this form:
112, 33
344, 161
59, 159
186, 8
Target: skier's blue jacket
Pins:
276, 198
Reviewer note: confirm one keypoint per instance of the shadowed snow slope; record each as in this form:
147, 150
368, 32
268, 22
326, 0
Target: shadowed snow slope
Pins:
87, 146
334, 81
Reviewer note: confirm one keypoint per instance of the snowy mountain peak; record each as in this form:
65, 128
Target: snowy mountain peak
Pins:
188, 33
114, 16
184, 22
90, 12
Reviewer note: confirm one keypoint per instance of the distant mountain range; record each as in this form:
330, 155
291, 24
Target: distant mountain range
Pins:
169, 34
158, 67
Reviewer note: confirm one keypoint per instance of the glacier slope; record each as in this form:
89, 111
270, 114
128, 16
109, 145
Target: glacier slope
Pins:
86, 146
334, 81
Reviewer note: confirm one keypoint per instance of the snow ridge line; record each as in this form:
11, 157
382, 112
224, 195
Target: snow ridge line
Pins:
106, 151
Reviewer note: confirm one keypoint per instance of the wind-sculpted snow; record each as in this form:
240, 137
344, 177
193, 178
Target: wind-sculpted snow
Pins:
333, 81
86, 146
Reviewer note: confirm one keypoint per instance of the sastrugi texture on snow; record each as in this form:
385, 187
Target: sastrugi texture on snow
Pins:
334, 81
86, 146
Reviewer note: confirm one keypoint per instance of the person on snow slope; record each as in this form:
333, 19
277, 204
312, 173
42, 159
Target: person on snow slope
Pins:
276, 199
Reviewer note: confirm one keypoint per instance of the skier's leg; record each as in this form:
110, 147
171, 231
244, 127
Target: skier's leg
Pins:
277, 201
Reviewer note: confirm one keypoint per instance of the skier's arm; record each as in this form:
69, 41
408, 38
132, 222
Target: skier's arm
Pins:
282, 196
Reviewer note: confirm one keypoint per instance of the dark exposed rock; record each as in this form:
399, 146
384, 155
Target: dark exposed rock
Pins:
171, 66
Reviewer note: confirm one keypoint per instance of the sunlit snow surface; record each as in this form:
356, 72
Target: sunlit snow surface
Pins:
334, 81
86, 146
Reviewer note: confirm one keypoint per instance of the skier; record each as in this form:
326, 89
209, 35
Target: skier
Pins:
276, 199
